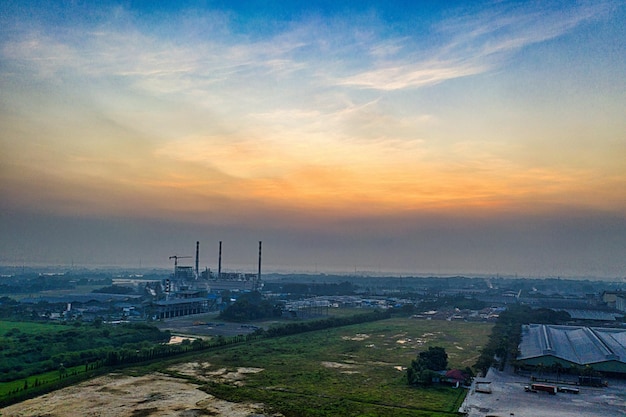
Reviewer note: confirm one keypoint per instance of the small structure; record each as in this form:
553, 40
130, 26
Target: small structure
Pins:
456, 377
484, 387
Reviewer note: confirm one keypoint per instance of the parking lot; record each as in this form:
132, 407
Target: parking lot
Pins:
204, 325
508, 398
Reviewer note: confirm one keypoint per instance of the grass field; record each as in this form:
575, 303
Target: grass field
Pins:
349, 371
32, 381
31, 349
28, 327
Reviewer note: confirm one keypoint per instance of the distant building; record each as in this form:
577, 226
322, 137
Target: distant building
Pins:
610, 297
184, 273
134, 282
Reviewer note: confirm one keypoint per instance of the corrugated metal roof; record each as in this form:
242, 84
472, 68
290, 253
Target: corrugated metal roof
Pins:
175, 301
578, 314
579, 345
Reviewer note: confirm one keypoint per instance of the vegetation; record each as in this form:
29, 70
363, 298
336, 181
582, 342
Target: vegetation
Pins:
131, 353
456, 301
354, 370
33, 348
249, 307
424, 369
336, 366
507, 332
115, 289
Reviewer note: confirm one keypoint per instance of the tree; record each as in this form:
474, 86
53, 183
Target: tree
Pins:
435, 358
423, 370
250, 306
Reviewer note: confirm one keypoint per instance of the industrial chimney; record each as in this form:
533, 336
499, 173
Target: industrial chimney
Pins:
258, 279
197, 259
219, 263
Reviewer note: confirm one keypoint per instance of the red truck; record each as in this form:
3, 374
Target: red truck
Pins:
550, 389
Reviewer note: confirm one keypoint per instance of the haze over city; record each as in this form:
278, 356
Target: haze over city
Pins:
407, 137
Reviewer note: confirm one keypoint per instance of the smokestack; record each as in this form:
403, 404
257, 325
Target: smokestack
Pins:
197, 258
258, 279
219, 264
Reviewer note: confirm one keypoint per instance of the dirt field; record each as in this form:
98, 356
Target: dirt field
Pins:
153, 395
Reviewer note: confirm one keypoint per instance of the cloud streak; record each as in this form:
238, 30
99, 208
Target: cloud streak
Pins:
472, 44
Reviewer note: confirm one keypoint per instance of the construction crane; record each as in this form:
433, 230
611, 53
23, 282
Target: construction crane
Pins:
176, 258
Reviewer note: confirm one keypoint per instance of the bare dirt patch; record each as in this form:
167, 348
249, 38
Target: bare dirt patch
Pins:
357, 337
203, 371
197, 370
337, 365
115, 395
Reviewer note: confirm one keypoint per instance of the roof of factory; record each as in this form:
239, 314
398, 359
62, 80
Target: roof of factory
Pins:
575, 344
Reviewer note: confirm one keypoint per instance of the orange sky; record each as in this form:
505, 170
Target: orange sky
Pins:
315, 120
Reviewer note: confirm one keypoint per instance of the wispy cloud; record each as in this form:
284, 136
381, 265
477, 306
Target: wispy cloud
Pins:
472, 44
403, 76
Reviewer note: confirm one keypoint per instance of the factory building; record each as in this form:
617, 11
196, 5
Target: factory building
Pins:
180, 307
603, 349
188, 291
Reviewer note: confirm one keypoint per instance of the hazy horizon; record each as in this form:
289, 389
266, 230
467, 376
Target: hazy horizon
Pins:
451, 137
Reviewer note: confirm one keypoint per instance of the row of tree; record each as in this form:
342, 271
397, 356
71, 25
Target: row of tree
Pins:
507, 333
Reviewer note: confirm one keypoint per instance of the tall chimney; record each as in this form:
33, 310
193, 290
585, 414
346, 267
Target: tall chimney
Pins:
197, 258
219, 264
258, 279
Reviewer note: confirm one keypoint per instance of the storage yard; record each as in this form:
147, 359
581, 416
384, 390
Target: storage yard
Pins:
508, 397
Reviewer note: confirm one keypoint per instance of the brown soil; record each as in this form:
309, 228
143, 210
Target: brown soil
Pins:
116, 395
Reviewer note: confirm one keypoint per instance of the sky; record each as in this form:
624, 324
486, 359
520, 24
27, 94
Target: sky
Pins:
406, 137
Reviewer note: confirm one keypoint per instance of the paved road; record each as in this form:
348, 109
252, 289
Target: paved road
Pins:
190, 325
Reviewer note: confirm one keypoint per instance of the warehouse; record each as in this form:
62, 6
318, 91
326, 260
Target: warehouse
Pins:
604, 349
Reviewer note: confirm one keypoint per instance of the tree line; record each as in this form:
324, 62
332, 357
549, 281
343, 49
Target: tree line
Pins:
507, 334
24, 353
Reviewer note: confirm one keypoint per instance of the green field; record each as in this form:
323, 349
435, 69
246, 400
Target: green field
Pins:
28, 327
348, 371
29, 349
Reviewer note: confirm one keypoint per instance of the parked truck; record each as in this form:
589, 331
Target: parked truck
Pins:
550, 389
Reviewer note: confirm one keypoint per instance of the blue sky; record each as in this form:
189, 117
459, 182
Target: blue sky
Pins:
418, 137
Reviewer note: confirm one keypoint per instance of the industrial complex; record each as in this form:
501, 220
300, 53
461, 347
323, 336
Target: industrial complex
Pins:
189, 291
